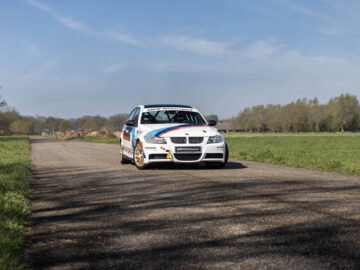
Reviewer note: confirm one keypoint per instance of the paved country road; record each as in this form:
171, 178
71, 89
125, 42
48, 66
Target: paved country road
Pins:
90, 212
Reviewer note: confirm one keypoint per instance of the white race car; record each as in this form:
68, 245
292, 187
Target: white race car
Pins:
171, 133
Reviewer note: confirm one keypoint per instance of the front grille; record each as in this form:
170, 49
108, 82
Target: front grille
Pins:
196, 139
157, 156
214, 155
187, 156
178, 140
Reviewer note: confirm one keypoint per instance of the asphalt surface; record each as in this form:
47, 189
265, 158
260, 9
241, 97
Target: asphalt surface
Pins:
90, 212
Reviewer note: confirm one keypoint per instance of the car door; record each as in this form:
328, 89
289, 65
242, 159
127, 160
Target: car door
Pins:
134, 133
129, 136
126, 138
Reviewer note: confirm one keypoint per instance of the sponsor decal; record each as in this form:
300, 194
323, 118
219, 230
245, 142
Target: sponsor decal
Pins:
168, 109
150, 148
128, 150
188, 149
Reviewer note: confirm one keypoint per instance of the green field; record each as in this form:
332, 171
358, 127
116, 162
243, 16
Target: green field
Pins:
96, 140
334, 152
15, 178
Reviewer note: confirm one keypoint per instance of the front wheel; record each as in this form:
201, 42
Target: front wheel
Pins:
139, 157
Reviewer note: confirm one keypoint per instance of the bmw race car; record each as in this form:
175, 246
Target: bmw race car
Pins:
171, 133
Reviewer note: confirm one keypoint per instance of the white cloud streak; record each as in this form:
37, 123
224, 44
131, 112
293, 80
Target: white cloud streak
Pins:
261, 49
124, 38
301, 9
113, 68
79, 26
194, 45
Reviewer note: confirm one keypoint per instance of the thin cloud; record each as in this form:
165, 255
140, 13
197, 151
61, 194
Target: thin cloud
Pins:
46, 66
124, 38
67, 22
39, 5
301, 9
113, 68
76, 25
40, 70
261, 49
331, 32
194, 45
32, 50
79, 26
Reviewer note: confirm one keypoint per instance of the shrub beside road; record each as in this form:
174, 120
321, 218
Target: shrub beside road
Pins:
15, 179
333, 152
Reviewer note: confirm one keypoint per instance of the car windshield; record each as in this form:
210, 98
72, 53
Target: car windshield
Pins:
171, 117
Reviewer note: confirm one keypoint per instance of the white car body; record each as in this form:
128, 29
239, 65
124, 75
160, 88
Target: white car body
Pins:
175, 142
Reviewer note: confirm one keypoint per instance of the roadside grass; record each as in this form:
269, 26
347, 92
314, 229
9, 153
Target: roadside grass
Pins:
96, 140
52, 137
333, 152
15, 179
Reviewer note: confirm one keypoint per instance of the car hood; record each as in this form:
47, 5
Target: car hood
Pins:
179, 130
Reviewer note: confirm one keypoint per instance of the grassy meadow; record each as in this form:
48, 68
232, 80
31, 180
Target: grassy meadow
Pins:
334, 152
15, 178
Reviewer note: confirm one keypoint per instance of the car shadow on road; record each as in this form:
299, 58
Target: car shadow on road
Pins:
198, 166
122, 219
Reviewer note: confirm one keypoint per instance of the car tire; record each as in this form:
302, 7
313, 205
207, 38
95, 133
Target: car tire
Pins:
139, 157
219, 165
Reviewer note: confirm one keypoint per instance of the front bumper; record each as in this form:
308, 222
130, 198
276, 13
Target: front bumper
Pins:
154, 153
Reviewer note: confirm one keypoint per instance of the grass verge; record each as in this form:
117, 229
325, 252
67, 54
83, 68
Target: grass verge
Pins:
328, 152
96, 140
15, 179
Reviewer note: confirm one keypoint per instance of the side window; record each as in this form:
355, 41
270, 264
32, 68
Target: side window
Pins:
136, 116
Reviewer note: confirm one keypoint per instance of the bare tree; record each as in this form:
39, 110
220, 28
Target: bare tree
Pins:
2, 102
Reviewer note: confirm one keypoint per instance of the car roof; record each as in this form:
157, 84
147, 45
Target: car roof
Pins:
166, 105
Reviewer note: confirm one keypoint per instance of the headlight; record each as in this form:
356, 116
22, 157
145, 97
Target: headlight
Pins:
154, 140
216, 139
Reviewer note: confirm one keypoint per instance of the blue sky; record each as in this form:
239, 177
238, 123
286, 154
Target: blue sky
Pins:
86, 57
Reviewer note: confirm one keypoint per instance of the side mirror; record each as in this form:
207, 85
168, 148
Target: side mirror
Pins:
212, 123
130, 123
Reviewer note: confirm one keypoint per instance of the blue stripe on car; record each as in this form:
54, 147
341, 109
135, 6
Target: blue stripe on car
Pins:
133, 137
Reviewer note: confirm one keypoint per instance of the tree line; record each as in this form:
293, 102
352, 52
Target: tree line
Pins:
341, 113
11, 122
